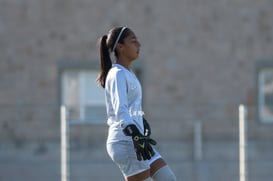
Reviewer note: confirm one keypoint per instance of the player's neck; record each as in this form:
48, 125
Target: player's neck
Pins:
124, 63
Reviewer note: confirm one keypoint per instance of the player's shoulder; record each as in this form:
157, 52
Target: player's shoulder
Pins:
117, 72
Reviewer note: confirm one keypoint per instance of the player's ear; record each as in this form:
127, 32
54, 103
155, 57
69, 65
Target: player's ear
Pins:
119, 45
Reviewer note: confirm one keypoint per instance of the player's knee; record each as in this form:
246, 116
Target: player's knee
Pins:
148, 179
164, 174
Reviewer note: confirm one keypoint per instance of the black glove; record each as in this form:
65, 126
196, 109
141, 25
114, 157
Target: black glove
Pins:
142, 144
147, 128
147, 131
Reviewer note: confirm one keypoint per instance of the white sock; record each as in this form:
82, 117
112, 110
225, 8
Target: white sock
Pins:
164, 174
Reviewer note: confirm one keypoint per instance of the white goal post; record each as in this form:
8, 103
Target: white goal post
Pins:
65, 139
243, 143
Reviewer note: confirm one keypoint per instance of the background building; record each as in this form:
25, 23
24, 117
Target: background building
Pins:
200, 59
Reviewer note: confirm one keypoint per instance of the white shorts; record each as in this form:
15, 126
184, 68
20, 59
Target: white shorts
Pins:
123, 154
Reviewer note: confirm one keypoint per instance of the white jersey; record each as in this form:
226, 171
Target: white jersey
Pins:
123, 97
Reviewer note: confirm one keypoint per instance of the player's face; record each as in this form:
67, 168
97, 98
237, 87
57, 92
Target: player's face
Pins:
131, 46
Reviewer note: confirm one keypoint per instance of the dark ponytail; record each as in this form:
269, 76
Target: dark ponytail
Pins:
105, 61
108, 43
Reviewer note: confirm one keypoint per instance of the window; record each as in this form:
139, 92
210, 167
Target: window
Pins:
81, 95
265, 93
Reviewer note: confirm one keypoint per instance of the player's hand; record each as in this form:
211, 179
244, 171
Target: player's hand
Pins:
142, 144
148, 132
147, 127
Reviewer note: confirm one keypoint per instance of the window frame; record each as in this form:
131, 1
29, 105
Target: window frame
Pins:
88, 65
260, 67
64, 66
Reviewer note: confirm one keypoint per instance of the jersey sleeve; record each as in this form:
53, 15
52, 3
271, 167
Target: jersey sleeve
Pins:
119, 98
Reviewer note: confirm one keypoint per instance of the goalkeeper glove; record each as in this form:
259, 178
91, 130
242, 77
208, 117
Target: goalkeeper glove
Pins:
142, 144
147, 131
147, 128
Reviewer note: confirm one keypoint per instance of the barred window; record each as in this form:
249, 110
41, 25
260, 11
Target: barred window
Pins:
265, 93
82, 96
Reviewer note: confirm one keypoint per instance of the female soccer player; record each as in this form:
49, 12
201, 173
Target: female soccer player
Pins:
128, 144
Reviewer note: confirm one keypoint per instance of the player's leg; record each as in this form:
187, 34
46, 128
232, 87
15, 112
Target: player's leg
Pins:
143, 176
160, 171
123, 154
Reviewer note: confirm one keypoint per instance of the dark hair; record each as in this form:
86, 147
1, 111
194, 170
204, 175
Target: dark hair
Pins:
106, 43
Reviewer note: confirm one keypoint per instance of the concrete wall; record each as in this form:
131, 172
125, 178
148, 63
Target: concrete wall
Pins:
198, 62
